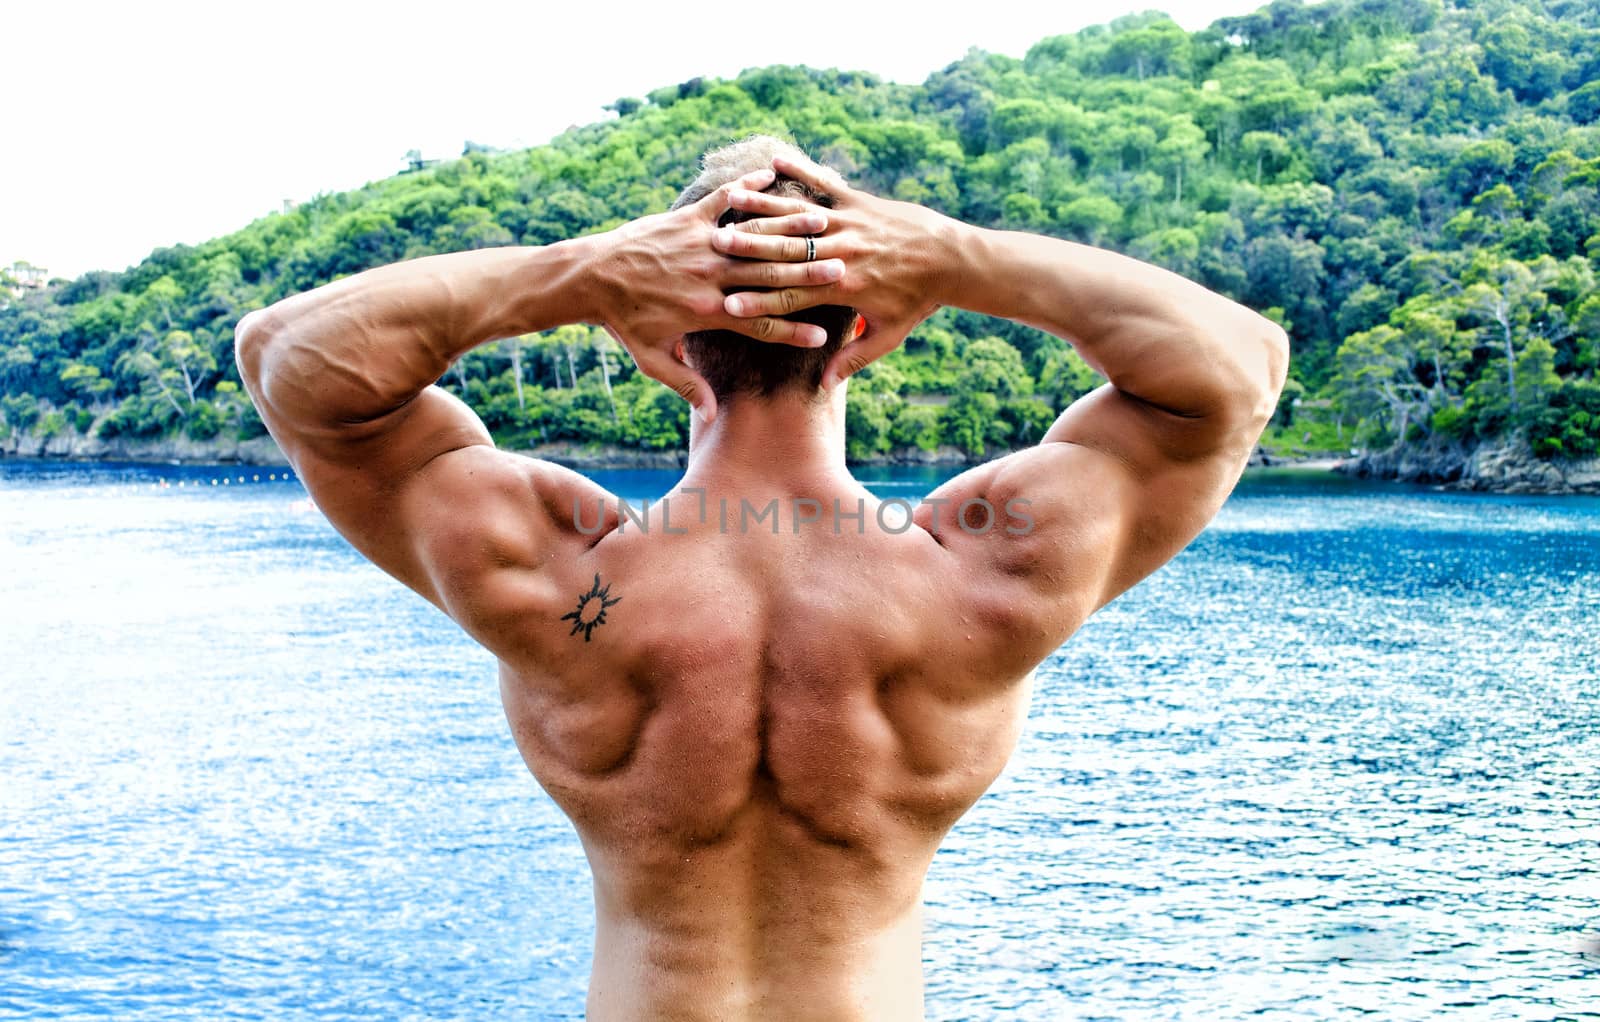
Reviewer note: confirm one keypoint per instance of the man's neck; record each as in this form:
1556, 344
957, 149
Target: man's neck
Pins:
791, 440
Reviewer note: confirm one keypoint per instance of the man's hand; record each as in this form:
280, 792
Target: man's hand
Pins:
660, 278
899, 256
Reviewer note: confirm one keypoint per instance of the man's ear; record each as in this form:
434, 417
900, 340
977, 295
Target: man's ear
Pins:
859, 327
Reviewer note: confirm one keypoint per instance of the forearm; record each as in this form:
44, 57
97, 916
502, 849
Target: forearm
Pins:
1155, 335
356, 349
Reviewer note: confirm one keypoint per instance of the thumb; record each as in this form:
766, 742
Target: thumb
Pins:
685, 382
858, 354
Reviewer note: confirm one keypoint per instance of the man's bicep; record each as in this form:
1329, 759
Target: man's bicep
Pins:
1114, 491
1030, 539
1160, 477
1147, 439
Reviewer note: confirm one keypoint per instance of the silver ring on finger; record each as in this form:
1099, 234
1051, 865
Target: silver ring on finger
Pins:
811, 248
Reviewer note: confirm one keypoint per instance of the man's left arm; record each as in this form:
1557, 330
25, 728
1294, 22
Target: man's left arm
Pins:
343, 376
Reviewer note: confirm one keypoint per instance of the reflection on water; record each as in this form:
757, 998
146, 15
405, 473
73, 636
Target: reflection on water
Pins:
1338, 759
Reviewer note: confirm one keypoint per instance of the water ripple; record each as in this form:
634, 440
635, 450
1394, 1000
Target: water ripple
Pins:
1335, 761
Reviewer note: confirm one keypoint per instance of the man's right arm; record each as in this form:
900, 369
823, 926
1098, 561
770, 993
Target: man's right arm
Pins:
1129, 474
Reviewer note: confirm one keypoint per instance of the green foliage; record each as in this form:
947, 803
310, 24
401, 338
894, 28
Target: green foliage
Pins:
205, 421
1569, 425
916, 426
21, 411
80, 418
1412, 189
51, 424
1451, 422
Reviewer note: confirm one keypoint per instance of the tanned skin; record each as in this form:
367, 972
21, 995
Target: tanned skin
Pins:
765, 738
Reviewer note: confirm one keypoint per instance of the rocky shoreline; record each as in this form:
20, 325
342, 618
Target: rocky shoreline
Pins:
606, 456
1489, 468
1486, 468
72, 446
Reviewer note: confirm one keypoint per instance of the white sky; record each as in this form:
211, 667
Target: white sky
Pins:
129, 126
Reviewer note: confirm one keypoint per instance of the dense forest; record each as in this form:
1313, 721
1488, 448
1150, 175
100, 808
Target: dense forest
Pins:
1412, 188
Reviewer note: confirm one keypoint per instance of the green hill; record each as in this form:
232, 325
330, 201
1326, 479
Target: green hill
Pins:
1411, 188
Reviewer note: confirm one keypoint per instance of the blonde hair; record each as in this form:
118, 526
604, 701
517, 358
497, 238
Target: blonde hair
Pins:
731, 162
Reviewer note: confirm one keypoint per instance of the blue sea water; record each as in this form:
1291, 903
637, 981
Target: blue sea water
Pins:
1339, 759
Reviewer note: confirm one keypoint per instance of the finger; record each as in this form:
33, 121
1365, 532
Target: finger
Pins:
688, 384
794, 225
780, 275
771, 330
754, 181
783, 302
712, 205
763, 204
748, 245
804, 170
857, 355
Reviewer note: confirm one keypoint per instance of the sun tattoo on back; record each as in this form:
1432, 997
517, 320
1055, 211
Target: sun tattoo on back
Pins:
591, 612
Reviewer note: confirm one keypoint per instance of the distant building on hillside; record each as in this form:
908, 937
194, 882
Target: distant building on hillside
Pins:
415, 162
23, 276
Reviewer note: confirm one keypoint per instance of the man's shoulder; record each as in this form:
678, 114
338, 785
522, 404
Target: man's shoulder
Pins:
1030, 537
482, 489
492, 524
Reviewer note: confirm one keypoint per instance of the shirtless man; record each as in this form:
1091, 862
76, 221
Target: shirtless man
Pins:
762, 728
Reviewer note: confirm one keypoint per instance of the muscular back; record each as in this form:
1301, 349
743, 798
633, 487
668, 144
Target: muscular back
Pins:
764, 740
761, 747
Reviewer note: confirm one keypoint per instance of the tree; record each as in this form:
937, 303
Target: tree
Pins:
183, 360
1377, 383
1586, 332
512, 348
1065, 376
1090, 217
993, 373
567, 341
1184, 147
603, 346
1268, 93
1156, 47
874, 403
16, 364
1481, 165
1508, 299
156, 380
1286, 272
85, 380
626, 106
1536, 379
1368, 306
1267, 150
1583, 103
1176, 248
